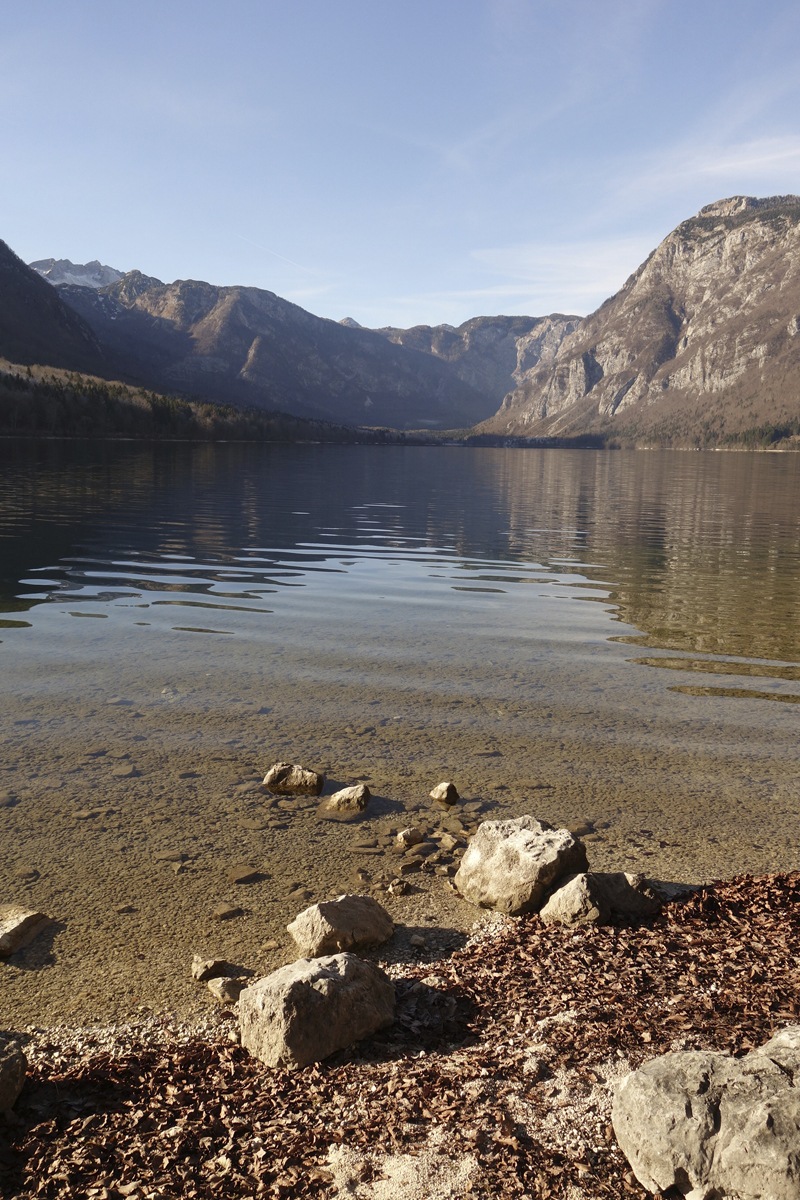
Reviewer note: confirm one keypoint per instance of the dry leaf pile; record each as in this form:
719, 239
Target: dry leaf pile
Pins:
508, 1033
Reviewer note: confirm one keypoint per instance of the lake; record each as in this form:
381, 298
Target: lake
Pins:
583, 635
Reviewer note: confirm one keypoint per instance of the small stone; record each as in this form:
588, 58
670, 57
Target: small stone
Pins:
410, 836
271, 945
580, 828
289, 779
122, 909
417, 941
301, 893
253, 824
204, 969
398, 887
410, 864
13, 1067
226, 989
177, 868
225, 911
349, 802
18, 927
7, 799
422, 850
445, 793
243, 874
448, 842
169, 856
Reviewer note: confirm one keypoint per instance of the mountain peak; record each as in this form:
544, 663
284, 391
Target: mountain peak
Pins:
61, 270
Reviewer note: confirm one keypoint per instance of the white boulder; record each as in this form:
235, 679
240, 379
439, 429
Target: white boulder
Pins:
309, 1009
509, 865
712, 1125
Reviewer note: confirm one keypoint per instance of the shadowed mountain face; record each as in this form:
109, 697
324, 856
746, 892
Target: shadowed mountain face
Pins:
245, 345
492, 354
36, 326
701, 339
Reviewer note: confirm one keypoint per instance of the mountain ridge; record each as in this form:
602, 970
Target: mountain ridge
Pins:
700, 339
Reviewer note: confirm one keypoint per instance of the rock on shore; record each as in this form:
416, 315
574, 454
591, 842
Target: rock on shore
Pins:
712, 1125
509, 865
347, 923
307, 1010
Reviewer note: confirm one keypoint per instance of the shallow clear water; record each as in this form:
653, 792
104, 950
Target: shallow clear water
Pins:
612, 636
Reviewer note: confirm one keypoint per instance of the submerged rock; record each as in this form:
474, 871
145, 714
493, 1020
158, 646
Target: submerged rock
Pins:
307, 1010
289, 779
712, 1125
347, 923
509, 865
18, 927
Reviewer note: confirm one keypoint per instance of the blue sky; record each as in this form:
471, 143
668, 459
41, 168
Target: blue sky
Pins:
397, 162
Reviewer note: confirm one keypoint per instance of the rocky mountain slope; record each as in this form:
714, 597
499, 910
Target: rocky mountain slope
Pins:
61, 270
492, 354
245, 345
700, 343
36, 326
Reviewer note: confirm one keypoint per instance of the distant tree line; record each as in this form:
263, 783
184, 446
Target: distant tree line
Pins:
71, 405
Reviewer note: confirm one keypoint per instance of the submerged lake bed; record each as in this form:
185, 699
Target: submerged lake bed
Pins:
609, 637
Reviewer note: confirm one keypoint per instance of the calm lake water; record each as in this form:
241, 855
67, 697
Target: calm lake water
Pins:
603, 635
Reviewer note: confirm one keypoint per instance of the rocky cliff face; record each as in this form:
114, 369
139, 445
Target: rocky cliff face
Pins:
241, 344
35, 324
703, 336
491, 354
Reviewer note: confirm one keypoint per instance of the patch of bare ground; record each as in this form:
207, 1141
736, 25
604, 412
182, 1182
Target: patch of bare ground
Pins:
495, 1080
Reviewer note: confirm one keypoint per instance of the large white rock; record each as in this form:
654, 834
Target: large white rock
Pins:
13, 1066
346, 923
714, 1126
18, 927
597, 896
309, 1009
509, 865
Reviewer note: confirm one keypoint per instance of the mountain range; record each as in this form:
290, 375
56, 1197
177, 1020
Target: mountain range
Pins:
249, 346
698, 347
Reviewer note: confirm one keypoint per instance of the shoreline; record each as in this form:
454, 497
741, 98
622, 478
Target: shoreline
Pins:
495, 1079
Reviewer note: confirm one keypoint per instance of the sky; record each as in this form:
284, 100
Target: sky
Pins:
400, 163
